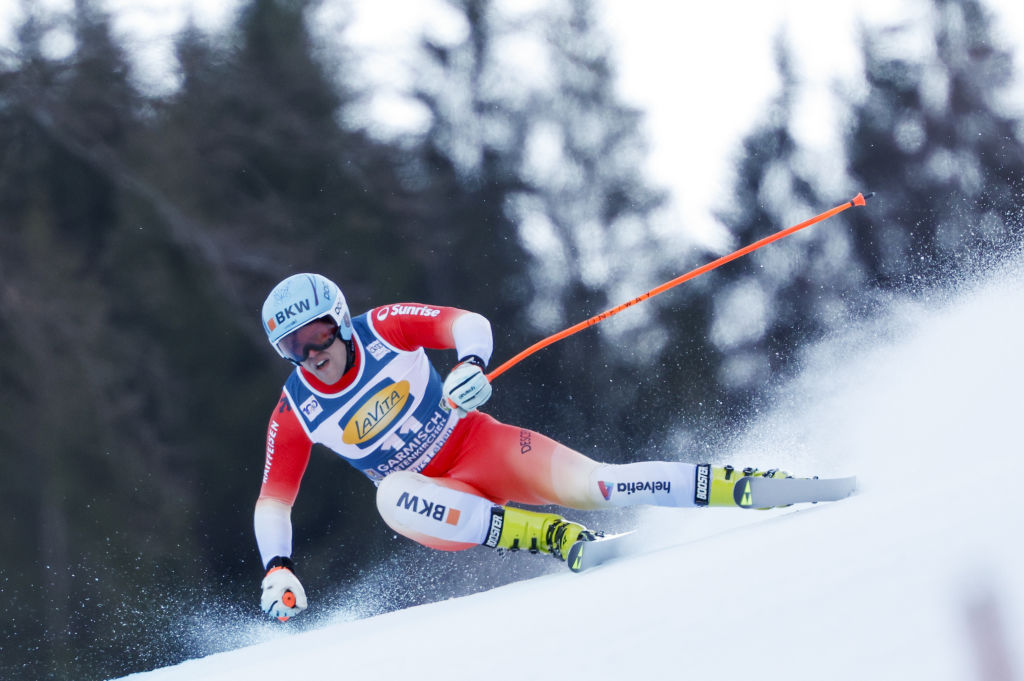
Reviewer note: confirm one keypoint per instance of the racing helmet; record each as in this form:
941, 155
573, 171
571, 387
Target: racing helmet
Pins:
300, 299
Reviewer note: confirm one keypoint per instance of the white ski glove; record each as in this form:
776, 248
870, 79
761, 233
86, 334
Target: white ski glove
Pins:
467, 386
283, 595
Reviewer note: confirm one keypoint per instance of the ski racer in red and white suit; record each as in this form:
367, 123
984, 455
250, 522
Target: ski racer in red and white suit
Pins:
444, 470
474, 453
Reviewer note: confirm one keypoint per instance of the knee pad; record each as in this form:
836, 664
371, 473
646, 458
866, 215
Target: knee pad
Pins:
428, 511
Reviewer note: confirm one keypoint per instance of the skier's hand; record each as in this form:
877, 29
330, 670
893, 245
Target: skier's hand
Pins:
283, 595
467, 386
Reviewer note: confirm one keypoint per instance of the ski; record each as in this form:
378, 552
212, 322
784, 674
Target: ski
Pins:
758, 492
584, 555
749, 492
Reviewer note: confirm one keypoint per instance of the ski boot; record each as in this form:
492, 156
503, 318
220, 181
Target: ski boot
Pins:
714, 484
535, 532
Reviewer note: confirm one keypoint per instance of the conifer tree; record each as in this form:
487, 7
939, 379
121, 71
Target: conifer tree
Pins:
554, 157
84, 447
768, 304
932, 136
936, 135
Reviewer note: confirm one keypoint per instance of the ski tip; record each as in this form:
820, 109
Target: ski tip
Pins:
854, 486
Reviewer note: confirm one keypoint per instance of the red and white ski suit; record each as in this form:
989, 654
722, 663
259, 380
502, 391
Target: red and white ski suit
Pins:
438, 475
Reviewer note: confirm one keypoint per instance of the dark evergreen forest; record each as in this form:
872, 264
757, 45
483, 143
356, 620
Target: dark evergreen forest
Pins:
140, 232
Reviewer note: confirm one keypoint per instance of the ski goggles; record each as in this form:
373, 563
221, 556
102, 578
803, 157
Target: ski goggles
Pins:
315, 336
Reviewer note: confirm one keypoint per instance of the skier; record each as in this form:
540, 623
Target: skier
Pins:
444, 470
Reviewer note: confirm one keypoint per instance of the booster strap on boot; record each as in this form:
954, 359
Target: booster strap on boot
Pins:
497, 522
702, 485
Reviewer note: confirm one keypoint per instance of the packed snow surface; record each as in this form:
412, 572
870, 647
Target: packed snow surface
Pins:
917, 576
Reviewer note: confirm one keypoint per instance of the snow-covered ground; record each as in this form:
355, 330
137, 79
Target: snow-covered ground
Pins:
916, 577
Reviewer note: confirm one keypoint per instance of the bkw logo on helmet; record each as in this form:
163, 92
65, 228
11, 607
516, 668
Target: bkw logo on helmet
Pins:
293, 310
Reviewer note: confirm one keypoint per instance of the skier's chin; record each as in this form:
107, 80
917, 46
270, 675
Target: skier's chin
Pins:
325, 371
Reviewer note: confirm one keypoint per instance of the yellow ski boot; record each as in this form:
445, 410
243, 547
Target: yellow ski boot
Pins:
516, 529
714, 484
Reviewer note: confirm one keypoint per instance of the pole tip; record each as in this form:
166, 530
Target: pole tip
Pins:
861, 199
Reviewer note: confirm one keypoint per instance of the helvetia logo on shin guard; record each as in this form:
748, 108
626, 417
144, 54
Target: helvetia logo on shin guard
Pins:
638, 487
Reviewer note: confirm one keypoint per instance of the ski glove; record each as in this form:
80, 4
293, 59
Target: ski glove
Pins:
283, 595
467, 386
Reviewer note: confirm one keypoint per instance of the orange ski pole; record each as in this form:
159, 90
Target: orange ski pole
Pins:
858, 200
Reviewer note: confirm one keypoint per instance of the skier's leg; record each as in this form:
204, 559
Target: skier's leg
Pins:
449, 515
439, 513
665, 483
505, 462
459, 502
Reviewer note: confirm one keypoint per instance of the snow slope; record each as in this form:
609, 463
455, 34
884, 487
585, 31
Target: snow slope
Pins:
916, 577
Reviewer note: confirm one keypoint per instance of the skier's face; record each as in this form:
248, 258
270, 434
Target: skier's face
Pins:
328, 364
314, 336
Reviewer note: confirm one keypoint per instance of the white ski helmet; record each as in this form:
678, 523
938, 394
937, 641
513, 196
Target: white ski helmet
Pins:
300, 299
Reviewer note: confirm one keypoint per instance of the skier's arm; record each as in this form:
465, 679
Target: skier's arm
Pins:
410, 326
467, 386
287, 456
471, 335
